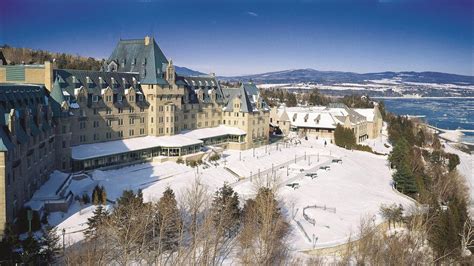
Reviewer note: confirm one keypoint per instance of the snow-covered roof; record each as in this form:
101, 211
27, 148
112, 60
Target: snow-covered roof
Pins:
94, 150
204, 133
369, 113
311, 119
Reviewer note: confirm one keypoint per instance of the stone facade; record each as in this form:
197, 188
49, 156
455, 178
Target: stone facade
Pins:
137, 95
28, 148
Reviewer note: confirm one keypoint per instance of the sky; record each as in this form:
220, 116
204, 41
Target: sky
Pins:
231, 37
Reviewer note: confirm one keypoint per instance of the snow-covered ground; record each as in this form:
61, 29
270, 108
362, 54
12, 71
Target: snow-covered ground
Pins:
466, 168
452, 135
354, 188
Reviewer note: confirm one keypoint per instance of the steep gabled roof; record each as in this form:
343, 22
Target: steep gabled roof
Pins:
142, 56
247, 93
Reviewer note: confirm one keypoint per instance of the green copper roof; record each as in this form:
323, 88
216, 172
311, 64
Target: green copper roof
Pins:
134, 56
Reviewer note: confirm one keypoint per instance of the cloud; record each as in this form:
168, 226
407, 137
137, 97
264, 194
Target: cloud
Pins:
250, 13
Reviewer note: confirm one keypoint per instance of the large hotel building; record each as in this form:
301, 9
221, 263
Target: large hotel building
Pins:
136, 109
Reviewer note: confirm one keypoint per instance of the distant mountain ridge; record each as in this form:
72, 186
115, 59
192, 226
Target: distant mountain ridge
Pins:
334, 77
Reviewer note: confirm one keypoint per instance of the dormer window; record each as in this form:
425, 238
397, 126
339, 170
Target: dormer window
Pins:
140, 98
119, 98
131, 98
95, 98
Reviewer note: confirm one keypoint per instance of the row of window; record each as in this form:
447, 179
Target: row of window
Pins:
108, 135
109, 98
95, 124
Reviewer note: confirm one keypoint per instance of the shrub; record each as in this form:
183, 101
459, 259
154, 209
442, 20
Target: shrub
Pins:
85, 198
344, 137
99, 195
363, 148
214, 157
180, 160
453, 161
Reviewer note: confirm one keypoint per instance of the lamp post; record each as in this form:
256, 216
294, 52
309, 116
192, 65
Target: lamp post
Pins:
64, 241
29, 216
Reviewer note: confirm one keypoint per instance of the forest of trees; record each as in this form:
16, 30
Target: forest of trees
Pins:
424, 171
16, 56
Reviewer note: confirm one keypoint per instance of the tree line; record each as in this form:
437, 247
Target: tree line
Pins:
17, 56
425, 172
197, 229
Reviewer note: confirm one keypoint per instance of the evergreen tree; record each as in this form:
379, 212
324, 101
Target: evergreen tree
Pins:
50, 243
95, 195
168, 220
316, 98
103, 196
225, 209
344, 137
291, 100
420, 138
8, 245
404, 180
30, 251
444, 236
94, 222
400, 153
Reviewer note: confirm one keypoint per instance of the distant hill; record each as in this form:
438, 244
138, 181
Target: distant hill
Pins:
334, 77
15, 56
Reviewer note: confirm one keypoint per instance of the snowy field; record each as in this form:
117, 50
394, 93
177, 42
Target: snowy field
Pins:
349, 190
466, 168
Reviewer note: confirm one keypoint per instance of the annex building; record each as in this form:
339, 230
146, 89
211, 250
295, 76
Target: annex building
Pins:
137, 108
321, 121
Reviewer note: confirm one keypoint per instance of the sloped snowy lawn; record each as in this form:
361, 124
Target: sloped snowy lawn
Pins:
355, 188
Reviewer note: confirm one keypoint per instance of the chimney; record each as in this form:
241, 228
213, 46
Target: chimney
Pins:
48, 75
147, 40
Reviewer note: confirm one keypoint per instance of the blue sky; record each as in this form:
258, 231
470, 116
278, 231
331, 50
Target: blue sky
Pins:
241, 37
